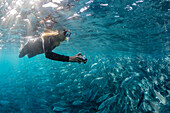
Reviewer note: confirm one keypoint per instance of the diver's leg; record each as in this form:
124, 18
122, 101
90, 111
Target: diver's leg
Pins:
23, 50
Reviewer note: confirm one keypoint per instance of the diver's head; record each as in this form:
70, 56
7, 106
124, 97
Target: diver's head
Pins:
64, 34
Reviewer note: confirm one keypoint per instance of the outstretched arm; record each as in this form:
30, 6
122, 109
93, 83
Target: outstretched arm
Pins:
51, 55
54, 56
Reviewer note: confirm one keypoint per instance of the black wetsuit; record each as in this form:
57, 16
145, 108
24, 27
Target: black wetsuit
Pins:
38, 46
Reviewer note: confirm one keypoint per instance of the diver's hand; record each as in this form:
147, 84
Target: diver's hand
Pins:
76, 58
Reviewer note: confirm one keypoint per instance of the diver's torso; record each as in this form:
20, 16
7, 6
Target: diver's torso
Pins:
36, 46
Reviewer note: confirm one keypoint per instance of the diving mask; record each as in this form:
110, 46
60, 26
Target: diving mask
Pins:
67, 34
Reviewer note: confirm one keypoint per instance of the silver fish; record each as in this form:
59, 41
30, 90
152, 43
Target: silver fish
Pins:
94, 95
127, 81
106, 110
160, 97
94, 65
84, 111
61, 84
96, 80
102, 98
107, 102
154, 106
77, 103
58, 108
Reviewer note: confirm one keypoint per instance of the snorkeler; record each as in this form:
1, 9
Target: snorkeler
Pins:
46, 43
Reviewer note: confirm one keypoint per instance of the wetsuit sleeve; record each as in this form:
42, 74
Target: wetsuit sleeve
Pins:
51, 55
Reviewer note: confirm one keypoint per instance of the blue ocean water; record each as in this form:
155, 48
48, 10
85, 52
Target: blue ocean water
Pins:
126, 43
